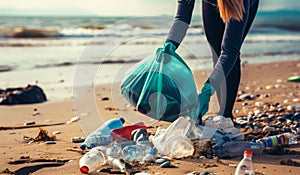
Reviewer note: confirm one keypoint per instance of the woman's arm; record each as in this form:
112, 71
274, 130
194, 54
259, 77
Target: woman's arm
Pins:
182, 21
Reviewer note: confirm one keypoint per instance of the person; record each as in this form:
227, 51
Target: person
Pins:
226, 24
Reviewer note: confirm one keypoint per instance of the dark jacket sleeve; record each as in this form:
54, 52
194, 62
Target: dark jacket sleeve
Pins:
181, 22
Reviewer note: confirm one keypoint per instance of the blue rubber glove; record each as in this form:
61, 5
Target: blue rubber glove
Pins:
206, 92
165, 52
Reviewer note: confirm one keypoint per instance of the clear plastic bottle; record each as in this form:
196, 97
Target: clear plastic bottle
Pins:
245, 166
114, 150
285, 138
130, 153
151, 155
136, 152
257, 147
231, 149
92, 160
101, 136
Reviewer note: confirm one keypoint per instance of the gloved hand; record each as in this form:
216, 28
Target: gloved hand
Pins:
206, 92
165, 52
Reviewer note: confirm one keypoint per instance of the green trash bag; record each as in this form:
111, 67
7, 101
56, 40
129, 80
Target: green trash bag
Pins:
162, 86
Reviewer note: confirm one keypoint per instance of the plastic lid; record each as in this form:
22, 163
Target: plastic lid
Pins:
83, 146
122, 120
248, 153
84, 169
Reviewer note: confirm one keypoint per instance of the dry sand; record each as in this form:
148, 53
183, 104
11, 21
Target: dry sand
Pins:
13, 147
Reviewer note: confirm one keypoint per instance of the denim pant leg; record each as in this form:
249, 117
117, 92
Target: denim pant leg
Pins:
214, 29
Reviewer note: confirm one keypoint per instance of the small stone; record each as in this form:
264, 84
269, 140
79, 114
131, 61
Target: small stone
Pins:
286, 101
166, 164
296, 117
78, 139
245, 104
29, 123
269, 128
204, 173
268, 87
278, 86
241, 92
279, 80
56, 132
280, 110
104, 99
288, 116
160, 161
296, 100
258, 103
50, 142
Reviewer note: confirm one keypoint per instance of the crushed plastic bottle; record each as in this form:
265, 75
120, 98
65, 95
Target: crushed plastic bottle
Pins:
151, 155
93, 160
130, 153
245, 166
114, 150
137, 151
101, 136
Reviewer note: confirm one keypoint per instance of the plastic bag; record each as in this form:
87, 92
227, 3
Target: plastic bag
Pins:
162, 86
174, 141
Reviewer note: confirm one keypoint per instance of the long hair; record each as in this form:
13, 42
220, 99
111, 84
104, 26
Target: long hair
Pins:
231, 9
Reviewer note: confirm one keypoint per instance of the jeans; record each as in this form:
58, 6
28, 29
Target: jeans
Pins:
225, 40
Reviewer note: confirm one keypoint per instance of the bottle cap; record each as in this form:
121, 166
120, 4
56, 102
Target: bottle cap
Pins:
122, 120
248, 153
83, 146
84, 169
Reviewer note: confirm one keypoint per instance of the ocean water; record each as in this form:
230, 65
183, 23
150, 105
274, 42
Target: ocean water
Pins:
50, 50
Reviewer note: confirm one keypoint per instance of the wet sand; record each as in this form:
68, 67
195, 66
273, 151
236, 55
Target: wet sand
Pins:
40, 158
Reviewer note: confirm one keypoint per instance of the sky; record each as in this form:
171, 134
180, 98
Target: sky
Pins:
114, 7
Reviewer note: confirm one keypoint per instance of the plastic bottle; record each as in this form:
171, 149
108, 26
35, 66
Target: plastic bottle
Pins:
92, 160
257, 147
130, 153
136, 152
231, 149
101, 136
116, 163
125, 131
151, 155
245, 166
286, 138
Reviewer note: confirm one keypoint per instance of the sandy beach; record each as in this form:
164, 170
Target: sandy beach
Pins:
41, 158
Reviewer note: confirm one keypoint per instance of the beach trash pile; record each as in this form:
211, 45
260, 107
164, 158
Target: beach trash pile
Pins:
126, 147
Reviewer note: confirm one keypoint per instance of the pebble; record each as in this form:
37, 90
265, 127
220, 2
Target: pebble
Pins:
286, 101
268, 87
50, 142
296, 117
278, 86
104, 99
204, 173
160, 161
29, 123
296, 100
269, 128
142, 173
258, 103
56, 132
166, 164
78, 139
247, 97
